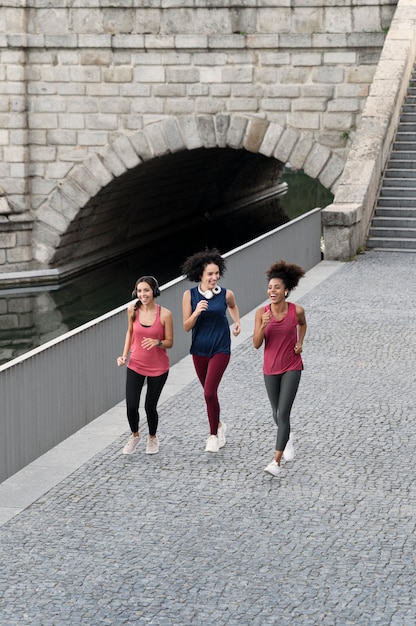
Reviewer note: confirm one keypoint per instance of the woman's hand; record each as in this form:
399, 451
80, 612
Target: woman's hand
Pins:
265, 318
190, 317
298, 348
121, 360
148, 343
237, 329
201, 306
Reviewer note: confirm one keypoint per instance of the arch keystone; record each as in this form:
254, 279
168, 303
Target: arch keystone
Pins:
222, 123
206, 129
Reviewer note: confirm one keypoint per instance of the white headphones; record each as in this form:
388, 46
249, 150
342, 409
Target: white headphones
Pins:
210, 293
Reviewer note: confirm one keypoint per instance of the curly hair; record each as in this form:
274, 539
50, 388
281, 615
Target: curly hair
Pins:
289, 273
194, 265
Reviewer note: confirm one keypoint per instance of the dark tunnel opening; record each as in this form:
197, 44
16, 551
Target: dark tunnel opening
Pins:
198, 198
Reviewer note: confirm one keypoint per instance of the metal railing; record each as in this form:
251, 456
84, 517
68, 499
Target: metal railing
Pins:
51, 392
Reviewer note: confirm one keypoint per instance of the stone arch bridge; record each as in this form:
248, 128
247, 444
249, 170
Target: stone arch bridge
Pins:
121, 120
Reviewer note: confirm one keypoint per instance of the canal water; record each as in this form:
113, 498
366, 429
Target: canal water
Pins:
31, 317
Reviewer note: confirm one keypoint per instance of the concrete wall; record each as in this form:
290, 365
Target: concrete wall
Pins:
106, 88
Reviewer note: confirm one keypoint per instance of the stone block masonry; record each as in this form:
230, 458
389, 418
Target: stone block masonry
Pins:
76, 79
347, 220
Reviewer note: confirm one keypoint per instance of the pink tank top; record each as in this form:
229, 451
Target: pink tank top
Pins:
154, 362
280, 339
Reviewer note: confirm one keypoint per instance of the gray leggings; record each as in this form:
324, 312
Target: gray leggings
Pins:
281, 389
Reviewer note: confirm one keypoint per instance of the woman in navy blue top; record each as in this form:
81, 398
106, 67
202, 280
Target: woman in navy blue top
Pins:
205, 313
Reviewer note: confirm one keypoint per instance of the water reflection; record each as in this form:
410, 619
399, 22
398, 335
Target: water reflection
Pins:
31, 318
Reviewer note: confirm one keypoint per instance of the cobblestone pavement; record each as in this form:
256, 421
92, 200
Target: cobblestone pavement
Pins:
189, 538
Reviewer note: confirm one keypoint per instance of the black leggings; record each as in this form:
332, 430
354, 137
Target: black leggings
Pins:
134, 386
281, 389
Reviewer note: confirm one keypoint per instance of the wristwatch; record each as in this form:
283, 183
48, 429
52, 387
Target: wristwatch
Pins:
159, 344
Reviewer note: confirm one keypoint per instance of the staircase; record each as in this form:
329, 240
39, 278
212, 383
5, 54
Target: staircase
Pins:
393, 225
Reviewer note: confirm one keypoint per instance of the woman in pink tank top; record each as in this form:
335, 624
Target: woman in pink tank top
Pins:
281, 327
149, 334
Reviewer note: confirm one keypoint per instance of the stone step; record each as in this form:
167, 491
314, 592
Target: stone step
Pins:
407, 127
392, 249
405, 146
398, 162
390, 243
393, 181
407, 117
399, 193
405, 133
380, 221
393, 226
393, 233
404, 130
405, 141
409, 155
391, 211
399, 174
396, 203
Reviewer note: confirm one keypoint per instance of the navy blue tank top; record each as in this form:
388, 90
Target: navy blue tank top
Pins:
211, 333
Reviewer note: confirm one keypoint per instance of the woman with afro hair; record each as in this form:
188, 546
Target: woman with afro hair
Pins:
204, 313
281, 326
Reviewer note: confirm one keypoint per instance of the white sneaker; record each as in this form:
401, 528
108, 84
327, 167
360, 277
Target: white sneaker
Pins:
221, 434
273, 468
212, 444
152, 446
289, 451
131, 445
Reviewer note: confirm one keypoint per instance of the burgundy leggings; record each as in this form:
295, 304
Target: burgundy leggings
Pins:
210, 370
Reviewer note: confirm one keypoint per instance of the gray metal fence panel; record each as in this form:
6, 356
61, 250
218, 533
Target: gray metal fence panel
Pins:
51, 392
295, 242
